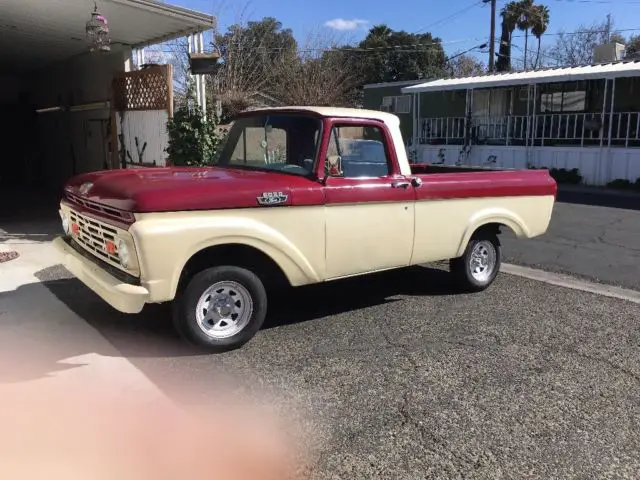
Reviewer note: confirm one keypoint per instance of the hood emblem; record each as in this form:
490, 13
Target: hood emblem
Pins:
272, 198
85, 187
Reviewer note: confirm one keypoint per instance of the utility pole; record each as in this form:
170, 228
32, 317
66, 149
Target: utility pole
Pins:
492, 38
608, 28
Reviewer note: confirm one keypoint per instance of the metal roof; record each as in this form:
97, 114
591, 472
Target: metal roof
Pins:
400, 83
550, 75
34, 33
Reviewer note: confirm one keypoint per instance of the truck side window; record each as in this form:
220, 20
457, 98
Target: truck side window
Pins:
361, 151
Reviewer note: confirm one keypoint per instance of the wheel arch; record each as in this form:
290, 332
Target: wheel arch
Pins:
492, 223
272, 266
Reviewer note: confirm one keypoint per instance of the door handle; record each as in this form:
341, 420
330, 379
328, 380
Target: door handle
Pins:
401, 184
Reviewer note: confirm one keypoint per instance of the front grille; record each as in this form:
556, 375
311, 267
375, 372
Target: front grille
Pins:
111, 270
114, 213
93, 236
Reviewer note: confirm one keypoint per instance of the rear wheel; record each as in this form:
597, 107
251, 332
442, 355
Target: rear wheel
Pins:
477, 268
221, 308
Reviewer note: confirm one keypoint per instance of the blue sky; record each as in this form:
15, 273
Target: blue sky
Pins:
467, 26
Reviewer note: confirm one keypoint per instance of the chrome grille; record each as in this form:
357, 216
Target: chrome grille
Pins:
93, 235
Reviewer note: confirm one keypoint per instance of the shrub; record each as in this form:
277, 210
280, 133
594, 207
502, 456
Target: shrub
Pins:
193, 140
623, 184
562, 175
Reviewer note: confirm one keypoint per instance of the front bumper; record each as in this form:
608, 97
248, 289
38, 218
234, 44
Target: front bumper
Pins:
125, 297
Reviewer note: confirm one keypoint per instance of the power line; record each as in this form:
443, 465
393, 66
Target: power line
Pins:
453, 15
579, 32
607, 2
412, 48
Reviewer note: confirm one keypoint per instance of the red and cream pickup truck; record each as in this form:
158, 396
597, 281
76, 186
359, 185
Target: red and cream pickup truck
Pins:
297, 196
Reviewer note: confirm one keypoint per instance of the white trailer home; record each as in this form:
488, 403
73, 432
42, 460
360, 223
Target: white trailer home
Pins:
585, 118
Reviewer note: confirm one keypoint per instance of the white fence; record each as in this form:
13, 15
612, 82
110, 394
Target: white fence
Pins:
620, 129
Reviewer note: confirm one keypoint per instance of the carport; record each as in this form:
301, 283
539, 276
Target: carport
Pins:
55, 94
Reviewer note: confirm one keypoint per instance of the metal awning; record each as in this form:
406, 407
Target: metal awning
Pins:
34, 33
565, 74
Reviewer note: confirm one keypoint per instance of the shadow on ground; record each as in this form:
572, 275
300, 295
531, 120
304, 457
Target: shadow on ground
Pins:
600, 199
151, 334
28, 216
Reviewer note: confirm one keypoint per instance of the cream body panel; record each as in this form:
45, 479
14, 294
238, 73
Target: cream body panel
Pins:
123, 297
444, 227
292, 236
368, 237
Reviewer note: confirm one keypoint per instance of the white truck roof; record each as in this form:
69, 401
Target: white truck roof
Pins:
386, 117
392, 121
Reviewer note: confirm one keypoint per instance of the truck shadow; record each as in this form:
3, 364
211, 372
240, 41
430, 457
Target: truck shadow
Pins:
151, 333
31, 320
297, 305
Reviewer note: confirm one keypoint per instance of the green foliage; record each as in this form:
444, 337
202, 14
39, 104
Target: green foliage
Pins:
525, 15
193, 140
562, 175
399, 55
623, 184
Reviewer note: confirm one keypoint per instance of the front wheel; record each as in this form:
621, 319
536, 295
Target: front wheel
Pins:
477, 268
221, 308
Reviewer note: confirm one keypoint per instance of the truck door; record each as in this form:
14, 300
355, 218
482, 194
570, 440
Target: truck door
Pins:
369, 206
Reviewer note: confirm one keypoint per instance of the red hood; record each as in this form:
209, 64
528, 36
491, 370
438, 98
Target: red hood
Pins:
175, 189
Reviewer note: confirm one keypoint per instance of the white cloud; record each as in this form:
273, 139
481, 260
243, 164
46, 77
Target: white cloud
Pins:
344, 25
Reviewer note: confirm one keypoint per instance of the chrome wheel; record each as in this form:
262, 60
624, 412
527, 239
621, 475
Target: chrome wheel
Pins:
482, 261
224, 309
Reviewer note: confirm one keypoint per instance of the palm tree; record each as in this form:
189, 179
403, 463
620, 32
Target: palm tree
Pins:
510, 15
540, 23
526, 11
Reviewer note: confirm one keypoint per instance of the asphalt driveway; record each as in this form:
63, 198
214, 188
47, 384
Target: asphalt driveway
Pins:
402, 379
596, 237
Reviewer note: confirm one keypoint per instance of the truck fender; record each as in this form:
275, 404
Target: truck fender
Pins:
251, 233
499, 216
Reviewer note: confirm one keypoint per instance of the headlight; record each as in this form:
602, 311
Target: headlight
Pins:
123, 253
66, 224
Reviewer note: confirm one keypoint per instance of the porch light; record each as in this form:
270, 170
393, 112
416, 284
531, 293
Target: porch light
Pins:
98, 32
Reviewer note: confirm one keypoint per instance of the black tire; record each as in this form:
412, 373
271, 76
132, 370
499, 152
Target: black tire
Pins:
185, 305
461, 270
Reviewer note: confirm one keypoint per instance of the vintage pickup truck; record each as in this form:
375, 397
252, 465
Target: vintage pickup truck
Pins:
297, 196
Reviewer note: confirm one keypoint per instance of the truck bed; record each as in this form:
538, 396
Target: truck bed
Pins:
426, 169
481, 182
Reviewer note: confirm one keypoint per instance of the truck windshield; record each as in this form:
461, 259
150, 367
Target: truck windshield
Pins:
283, 142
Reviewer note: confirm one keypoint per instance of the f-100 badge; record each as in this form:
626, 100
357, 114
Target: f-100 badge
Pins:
272, 198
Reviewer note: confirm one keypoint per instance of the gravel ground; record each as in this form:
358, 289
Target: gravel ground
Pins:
402, 379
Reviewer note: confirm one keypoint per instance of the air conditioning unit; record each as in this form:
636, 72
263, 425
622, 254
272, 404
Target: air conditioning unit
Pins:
609, 52
385, 108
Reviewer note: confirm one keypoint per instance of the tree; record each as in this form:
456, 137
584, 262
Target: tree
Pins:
576, 48
252, 56
323, 73
387, 56
525, 15
465, 66
633, 47
540, 17
510, 14
526, 9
